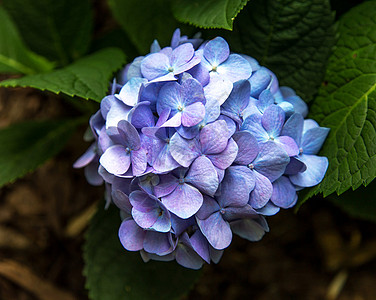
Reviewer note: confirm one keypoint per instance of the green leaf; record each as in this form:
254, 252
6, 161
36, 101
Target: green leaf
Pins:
14, 55
144, 21
112, 273
208, 13
88, 77
24, 146
58, 30
347, 104
360, 203
293, 38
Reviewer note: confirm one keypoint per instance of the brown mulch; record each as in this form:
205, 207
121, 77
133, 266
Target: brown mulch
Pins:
319, 253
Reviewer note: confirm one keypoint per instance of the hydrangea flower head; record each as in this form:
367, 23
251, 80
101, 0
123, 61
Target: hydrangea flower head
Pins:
197, 144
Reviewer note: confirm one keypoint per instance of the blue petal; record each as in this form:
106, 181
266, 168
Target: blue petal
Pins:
315, 172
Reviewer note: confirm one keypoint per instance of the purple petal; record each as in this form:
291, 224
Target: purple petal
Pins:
91, 174
129, 135
208, 207
215, 254
299, 105
163, 223
184, 151
231, 125
189, 65
193, 114
313, 139
201, 73
131, 235
175, 38
253, 125
154, 48
224, 159
288, 144
269, 209
188, 132
248, 229
315, 172
170, 97
235, 187
213, 137
181, 55
175, 121
184, 201
116, 160
235, 68
120, 189
218, 89
157, 243
259, 81
216, 51
284, 192
192, 91
309, 124
236, 213
167, 184
129, 93
200, 245
139, 161
238, 99
203, 175
265, 100
273, 120
294, 128
107, 177
86, 158
186, 255
262, 192
271, 161
295, 166
144, 220
163, 160
155, 65
212, 110
118, 112
142, 116
248, 147
216, 230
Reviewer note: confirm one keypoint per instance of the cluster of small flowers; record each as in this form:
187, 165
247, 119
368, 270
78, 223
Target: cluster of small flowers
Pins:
196, 144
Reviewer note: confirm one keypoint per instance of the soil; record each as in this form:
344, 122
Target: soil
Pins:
318, 253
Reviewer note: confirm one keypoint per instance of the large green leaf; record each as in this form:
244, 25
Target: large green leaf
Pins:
144, 21
293, 38
208, 13
347, 104
58, 30
25, 146
14, 55
114, 273
88, 77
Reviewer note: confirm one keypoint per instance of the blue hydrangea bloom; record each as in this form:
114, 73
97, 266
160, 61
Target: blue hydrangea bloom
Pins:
195, 144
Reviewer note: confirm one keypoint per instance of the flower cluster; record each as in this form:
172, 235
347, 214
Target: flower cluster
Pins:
197, 144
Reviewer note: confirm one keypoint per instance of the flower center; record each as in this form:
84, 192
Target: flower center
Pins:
180, 108
222, 211
271, 138
181, 181
300, 150
251, 166
127, 150
214, 68
170, 69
